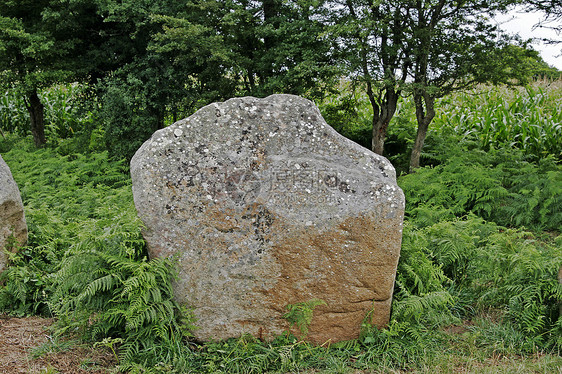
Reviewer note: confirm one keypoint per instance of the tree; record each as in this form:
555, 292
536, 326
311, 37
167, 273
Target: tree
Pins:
273, 47
43, 42
423, 48
371, 42
161, 59
552, 10
26, 58
170, 65
454, 48
50, 41
552, 20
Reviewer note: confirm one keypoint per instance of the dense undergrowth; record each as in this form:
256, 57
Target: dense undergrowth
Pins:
481, 249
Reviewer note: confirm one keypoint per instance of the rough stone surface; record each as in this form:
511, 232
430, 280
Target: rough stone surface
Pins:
265, 205
12, 219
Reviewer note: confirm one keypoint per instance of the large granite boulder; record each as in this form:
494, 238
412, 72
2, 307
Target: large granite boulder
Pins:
12, 219
264, 205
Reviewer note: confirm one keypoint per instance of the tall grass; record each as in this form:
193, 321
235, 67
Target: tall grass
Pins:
69, 114
67, 111
14, 118
528, 118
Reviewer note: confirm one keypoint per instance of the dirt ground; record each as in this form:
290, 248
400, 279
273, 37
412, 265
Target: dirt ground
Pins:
21, 339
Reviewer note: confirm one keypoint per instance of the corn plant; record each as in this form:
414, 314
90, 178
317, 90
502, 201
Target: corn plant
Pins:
14, 117
64, 113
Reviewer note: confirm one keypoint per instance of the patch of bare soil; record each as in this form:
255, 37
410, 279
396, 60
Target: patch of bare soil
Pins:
20, 336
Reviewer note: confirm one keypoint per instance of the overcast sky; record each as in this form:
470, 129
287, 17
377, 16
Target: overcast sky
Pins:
522, 23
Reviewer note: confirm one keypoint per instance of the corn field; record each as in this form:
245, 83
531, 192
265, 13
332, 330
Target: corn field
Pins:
63, 109
13, 115
528, 118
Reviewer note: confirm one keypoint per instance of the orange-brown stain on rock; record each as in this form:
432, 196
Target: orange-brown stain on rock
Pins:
348, 267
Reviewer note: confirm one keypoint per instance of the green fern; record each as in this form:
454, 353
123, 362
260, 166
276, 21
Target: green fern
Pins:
86, 260
300, 314
499, 186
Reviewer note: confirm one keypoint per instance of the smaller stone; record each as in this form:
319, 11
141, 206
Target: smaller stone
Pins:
12, 218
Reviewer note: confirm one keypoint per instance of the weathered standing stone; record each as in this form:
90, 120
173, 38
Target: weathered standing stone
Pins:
12, 219
265, 205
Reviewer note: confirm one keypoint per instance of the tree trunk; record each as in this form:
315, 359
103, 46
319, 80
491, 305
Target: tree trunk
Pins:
37, 117
418, 145
270, 15
379, 135
270, 18
424, 118
383, 111
385, 102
